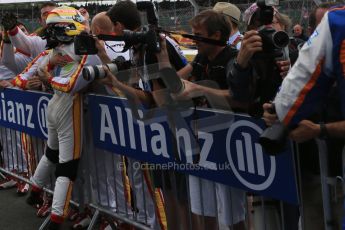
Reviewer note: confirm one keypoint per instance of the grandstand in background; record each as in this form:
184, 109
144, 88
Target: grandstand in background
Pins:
173, 15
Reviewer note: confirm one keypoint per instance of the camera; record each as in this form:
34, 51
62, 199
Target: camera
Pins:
273, 42
273, 139
84, 43
116, 67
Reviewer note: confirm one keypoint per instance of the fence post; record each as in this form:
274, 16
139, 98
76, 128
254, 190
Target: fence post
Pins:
326, 198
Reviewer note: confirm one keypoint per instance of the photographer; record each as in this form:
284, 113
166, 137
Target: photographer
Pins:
213, 62
257, 73
124, 16
116, 198
235, 39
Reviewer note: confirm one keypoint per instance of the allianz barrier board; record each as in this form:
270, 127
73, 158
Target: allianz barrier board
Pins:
218, 146
24, 111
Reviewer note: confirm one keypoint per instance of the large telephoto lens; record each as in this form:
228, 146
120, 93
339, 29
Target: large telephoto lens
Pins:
97, 71
92, 72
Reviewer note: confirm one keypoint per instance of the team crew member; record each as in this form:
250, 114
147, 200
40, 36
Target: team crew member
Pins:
32, 44
64, 120
306, 87
7, 156
16, 156
214, 66
320, 64
14, 59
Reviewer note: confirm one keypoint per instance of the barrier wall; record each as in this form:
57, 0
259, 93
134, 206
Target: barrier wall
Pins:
146, 167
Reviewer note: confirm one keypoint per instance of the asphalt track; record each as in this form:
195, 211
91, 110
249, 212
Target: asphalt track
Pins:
15, 214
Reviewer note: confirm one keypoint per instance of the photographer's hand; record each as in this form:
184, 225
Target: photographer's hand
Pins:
284, 67
191, 90
110, 78
306, 130
102, 54
269, 117
137, 95
251, 44
163, 56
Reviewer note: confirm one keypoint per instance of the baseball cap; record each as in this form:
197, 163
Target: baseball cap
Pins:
228, 9
248, 14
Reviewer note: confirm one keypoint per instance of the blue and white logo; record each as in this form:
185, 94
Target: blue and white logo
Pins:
246, 157
42, 114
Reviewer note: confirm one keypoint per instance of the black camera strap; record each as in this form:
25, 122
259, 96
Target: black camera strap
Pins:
196, 38
106, 37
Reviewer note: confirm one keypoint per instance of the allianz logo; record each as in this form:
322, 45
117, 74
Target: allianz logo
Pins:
247, 157
42, 114
16, 112
24, 115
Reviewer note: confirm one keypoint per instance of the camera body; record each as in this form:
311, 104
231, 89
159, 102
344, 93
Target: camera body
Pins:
273, 41
85, 43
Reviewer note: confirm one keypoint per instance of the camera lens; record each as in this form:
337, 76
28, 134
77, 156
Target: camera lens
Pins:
88, 73
280, 39
112, 68
93, 72
273, 139
97, 71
